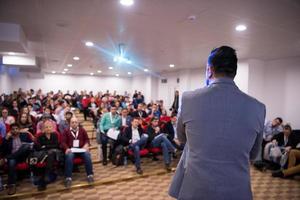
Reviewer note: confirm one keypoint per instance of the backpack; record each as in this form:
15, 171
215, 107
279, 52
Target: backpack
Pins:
118, 156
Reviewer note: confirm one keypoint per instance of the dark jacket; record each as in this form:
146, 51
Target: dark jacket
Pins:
8, 144
43, 143
127, 135
280, 139
142, 114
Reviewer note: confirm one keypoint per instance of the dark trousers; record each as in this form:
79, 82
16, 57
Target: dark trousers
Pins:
13, 159
104, 141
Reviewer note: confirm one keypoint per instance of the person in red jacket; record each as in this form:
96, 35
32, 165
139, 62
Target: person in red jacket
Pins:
76, 143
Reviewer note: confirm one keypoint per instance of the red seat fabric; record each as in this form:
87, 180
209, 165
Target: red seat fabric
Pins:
155, 150
143, 152
78, 161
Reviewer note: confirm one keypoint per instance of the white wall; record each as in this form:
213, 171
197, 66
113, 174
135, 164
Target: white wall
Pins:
57, 82
5, 80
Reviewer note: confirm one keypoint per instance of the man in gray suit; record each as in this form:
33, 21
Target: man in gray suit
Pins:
222, 128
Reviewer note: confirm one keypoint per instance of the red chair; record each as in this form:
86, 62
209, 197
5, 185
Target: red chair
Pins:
143, 152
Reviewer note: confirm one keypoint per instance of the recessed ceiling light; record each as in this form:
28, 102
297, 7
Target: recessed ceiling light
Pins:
146, 70
110, 68
11, 53
66, 69
172, 65
76, 58
117, 75
241, 27
91, 73
69, 65
53, 72
99, 71
89, 44
127, 2
129, 73
63, 72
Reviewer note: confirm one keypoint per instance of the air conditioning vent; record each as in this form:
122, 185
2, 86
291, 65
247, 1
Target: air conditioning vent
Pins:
164, 80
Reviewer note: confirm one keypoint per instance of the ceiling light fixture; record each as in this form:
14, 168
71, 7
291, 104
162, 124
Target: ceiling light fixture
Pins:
11, 53
172, 65
89, 44
121, 58
241, 27
53, 72
117, 75
110, 67
63, 72
146, 70
76, 58
69, 65
127, 2
129, 73
99, 71
66, 69
92, 74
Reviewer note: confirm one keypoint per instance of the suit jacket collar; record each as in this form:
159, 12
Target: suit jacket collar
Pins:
223, 81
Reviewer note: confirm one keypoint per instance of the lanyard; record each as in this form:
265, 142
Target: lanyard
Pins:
76, 135
111, 118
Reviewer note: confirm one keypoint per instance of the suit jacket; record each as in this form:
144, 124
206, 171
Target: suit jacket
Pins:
137, 114
222, 128
127, 135
8, 144
292, 141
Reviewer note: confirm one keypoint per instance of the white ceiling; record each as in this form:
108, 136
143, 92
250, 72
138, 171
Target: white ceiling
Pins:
156, 32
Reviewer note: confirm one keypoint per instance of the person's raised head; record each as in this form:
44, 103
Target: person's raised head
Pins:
74, 123
135, 122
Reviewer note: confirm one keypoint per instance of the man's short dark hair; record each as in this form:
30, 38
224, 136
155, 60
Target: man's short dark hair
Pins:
279, 119
224, 61
287, 126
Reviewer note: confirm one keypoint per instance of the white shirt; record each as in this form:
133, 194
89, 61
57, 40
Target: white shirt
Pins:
124, 121
135, 135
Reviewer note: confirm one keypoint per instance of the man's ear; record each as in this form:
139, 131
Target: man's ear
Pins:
210, 72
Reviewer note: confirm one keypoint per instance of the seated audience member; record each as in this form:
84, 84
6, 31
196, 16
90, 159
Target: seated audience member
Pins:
110, 120
92, 108
2, 130
125, 118
155, 112
283, 141
65, 124
76, 143
293, 165
271, 128
16, 147
136, 139
6, 118
170, 129
45, 117
26, 124
31, 111
14, 111
48, 142
158, 139
140, 113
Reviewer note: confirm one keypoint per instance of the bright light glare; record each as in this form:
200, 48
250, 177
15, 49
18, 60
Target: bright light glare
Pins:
69, 65
76, 58
127, 2
172, 65
241, 27
99, 71
89, 44
146, 70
